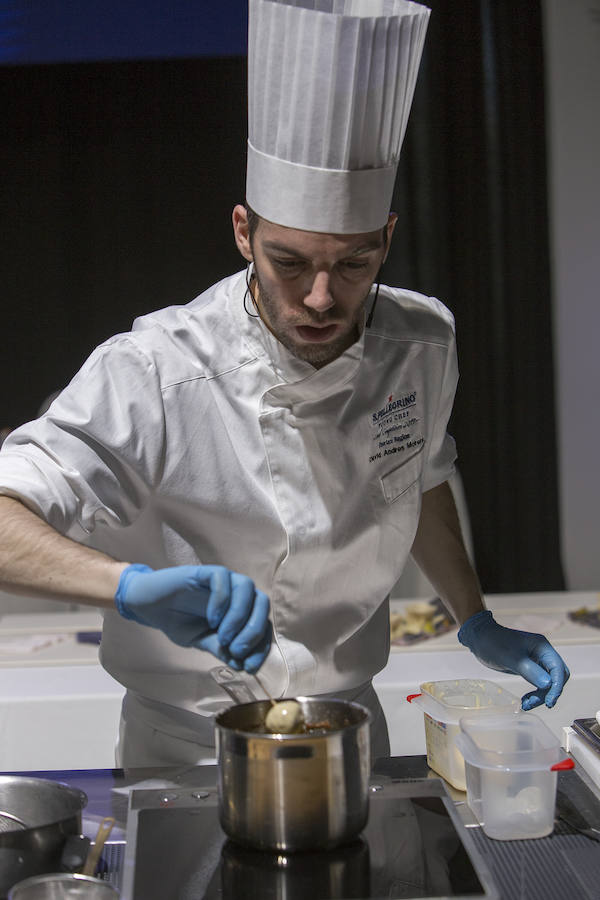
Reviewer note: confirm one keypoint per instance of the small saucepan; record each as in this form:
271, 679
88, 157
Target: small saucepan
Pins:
40, 828
291, 792
63, 887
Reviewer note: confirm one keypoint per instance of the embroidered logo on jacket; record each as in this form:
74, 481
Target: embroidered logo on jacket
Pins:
395, 426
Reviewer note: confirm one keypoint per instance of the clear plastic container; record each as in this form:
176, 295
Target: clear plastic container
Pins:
511, 767
444, 702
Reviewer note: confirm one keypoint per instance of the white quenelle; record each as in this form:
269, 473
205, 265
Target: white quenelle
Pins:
285, 717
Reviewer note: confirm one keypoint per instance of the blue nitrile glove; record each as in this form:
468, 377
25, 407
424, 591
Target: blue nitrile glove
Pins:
519, 653
208, 607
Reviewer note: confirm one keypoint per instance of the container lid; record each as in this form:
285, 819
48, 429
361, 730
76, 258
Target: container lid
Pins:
510, 742
447, 701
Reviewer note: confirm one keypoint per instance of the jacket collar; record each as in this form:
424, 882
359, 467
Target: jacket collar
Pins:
298, 379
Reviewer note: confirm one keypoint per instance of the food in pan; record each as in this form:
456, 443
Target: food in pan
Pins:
284, 717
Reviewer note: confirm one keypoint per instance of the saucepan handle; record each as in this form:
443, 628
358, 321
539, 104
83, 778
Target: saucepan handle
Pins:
74, 853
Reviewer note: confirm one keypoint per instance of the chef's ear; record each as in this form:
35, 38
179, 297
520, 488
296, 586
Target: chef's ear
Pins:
241, 231
391, 224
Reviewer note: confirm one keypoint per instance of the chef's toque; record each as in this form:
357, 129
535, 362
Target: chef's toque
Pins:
330, 86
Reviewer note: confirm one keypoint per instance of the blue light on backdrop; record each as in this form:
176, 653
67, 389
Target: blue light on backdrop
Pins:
54, 31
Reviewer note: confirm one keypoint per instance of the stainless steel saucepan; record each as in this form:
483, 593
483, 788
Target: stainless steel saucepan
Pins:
294, 791
38, 818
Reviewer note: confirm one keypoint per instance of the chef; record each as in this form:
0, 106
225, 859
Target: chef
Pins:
240, 479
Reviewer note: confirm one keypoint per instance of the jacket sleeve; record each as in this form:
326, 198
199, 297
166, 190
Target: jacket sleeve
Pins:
97, 453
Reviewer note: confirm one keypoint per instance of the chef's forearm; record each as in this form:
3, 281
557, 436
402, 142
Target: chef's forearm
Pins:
440, 553
36, 560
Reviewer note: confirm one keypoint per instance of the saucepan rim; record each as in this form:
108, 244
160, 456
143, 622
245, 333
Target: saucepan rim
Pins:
78, 800
323, 736
49, 878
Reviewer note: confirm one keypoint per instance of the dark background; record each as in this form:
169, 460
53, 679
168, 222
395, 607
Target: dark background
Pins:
119, 175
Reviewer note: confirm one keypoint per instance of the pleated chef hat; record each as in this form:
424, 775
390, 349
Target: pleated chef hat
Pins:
330, 86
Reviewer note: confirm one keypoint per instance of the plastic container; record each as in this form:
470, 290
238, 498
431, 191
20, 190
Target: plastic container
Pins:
444, 702
511, 768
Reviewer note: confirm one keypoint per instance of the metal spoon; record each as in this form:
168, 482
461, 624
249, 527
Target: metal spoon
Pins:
237, 689
263, 688
232, 683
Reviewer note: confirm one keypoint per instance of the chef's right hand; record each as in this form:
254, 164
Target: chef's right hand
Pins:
208, 607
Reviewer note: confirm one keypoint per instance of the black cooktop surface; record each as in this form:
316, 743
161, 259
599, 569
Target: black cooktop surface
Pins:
414, 846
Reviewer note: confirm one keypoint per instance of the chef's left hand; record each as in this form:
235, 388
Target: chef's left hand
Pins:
518, 653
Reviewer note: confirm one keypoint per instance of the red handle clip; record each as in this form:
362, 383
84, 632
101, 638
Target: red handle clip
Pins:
563, 765
411, 697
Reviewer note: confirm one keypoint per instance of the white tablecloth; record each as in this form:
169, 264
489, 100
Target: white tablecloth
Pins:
441, 658
59, 709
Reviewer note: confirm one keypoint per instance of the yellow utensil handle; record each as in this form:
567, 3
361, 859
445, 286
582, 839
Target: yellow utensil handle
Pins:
104, 829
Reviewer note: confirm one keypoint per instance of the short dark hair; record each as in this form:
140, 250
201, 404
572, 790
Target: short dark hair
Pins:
253, 220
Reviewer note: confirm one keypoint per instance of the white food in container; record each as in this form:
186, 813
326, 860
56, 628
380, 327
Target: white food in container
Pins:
443, 703
511, 774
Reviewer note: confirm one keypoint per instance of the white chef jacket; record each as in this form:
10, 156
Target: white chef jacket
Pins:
198, 438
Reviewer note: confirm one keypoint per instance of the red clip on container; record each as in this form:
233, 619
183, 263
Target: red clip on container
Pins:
511, 765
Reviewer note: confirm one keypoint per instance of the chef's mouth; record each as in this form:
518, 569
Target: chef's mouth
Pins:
315, 334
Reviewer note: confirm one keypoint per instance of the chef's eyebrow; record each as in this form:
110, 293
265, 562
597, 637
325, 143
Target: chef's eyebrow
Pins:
358, 251
367, 248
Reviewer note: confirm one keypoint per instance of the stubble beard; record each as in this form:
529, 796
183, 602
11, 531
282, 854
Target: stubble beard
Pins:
317, 354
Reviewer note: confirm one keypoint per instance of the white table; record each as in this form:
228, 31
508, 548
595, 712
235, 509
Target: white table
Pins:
59, 709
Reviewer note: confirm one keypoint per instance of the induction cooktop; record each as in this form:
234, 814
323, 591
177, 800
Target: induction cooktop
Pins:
414, 846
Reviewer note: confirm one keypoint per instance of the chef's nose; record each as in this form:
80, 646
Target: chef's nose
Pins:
319, 296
